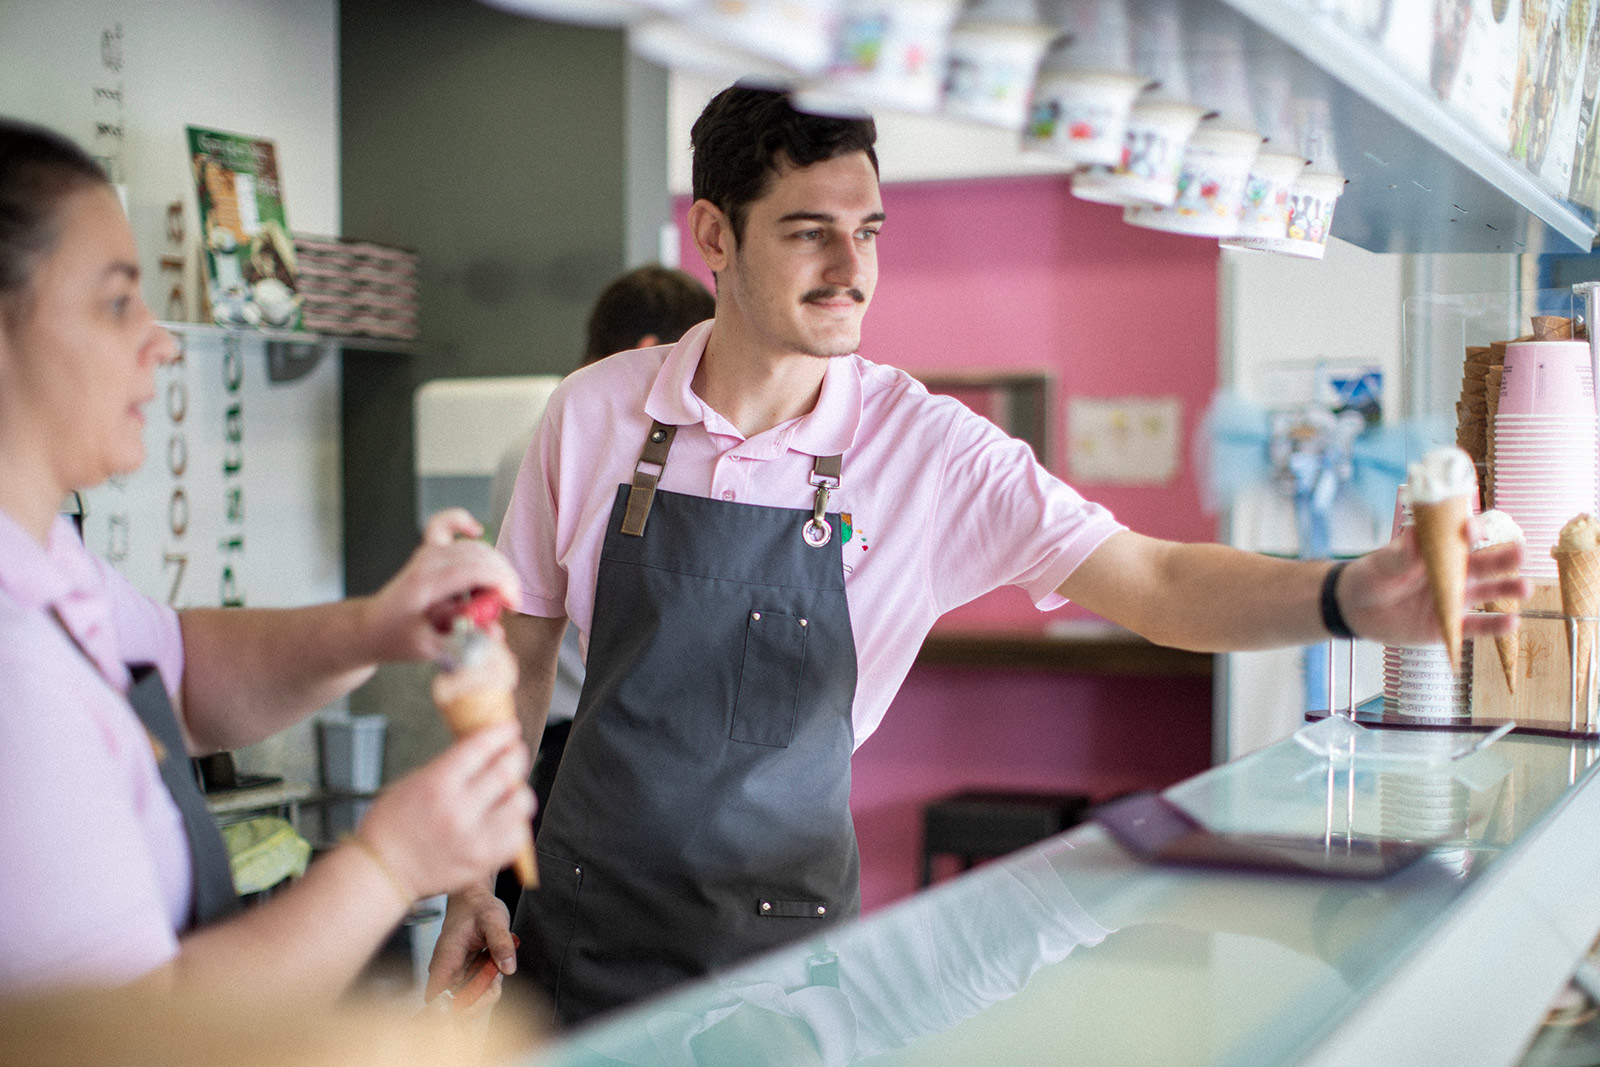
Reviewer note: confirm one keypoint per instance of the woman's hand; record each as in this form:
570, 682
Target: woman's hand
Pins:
457, 819
1385, 597
399, 619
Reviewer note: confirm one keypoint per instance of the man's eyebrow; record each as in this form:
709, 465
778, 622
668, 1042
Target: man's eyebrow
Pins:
823, 216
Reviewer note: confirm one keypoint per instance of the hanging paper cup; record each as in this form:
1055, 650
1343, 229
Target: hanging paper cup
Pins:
1081, 115
796, 36
990, 69
1152, 156
884, 54
674, 44
1310, 218
1266, 195
1211, 185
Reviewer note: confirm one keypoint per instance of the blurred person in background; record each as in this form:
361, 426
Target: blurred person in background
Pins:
111, 868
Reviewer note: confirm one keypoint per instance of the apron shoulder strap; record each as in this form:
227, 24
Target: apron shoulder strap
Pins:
214, 895
643, 491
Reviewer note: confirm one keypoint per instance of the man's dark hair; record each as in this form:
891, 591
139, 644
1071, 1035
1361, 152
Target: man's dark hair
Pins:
745, 134
648, 300
38, 169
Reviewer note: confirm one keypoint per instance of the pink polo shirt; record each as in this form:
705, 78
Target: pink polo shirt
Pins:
95, 875
940, 505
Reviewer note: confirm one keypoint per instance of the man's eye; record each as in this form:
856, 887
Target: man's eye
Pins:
867, 235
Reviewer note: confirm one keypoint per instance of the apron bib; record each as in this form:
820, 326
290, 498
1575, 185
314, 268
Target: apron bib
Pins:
701, 811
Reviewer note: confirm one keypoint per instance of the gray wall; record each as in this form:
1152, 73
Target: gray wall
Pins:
526, 162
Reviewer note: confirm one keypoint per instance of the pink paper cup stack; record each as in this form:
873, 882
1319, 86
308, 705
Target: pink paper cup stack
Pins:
1546, 467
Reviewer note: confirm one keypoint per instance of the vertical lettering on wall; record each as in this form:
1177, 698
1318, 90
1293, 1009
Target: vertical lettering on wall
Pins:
231, 545
175, 557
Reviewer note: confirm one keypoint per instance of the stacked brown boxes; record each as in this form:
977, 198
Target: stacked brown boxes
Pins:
357, 288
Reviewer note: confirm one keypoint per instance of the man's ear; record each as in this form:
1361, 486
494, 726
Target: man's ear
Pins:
712, 233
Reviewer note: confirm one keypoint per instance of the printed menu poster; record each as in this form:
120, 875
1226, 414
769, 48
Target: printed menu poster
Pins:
249, 255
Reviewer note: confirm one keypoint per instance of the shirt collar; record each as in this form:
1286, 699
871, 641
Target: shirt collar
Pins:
828, 429
38, 576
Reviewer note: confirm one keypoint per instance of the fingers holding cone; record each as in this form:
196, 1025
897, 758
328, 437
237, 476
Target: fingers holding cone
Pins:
476, 687
1439, 487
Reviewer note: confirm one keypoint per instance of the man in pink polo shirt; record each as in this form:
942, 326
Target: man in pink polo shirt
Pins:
755, 528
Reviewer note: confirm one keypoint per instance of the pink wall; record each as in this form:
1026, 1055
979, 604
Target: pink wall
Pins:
1017, 274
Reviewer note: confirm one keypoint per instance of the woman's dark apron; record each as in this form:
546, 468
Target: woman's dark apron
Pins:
701, 812
214, 896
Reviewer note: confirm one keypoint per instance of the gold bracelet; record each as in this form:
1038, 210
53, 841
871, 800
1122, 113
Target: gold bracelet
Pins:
406, 896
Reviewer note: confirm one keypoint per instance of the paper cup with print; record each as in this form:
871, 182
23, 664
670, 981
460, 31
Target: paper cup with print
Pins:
1266, 194
1147, 170
990, 69
1546, 378
1081, 115
884, 53
1211, 185
1311, 203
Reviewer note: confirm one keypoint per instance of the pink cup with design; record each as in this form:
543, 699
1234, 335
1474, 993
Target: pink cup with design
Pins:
1547, 378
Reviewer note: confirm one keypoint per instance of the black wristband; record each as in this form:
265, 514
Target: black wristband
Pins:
1332, 617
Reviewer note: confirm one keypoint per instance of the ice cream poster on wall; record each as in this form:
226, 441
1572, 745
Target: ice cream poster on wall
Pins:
1125, 441
249, 254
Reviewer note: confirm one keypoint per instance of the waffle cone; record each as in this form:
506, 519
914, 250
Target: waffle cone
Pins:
1579, 574
1441, 530
471, 711
1508, 645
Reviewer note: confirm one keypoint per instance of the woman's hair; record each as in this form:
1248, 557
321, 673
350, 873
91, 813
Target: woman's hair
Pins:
745, 134
38, 169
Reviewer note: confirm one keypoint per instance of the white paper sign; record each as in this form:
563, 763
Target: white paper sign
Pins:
1123, 441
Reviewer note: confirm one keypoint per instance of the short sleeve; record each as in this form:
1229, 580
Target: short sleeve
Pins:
527, 536
1003, 519
83, 898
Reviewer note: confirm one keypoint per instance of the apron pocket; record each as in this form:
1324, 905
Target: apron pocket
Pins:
769, 679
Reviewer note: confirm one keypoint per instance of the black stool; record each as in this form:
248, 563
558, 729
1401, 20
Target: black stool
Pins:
982, 824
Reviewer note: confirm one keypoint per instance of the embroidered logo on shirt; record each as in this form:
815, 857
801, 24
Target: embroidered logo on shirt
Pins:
849, 529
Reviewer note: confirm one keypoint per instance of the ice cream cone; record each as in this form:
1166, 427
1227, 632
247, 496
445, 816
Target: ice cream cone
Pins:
479, 694
1441, 529
1579, 574
1508, 645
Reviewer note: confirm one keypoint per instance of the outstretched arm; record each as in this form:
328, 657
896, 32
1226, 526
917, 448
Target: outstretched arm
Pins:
250, 672
1211, 598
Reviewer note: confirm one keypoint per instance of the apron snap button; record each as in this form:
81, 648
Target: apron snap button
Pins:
756, 615
766, 905
821, 910
659, 436
802, 622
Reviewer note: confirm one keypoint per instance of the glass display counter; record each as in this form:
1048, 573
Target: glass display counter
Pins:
1075, 952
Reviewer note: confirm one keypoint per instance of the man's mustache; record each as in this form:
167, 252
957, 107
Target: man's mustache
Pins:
828, 292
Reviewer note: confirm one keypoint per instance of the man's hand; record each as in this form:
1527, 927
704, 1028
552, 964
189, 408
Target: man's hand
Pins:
1384, 595
474, 920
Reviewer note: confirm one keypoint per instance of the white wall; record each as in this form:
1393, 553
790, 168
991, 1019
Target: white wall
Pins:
267, 69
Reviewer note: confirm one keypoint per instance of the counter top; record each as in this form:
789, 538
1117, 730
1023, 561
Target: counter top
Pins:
1074, 952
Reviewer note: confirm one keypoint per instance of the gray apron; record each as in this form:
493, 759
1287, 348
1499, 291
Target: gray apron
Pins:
214, 896
701, 811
